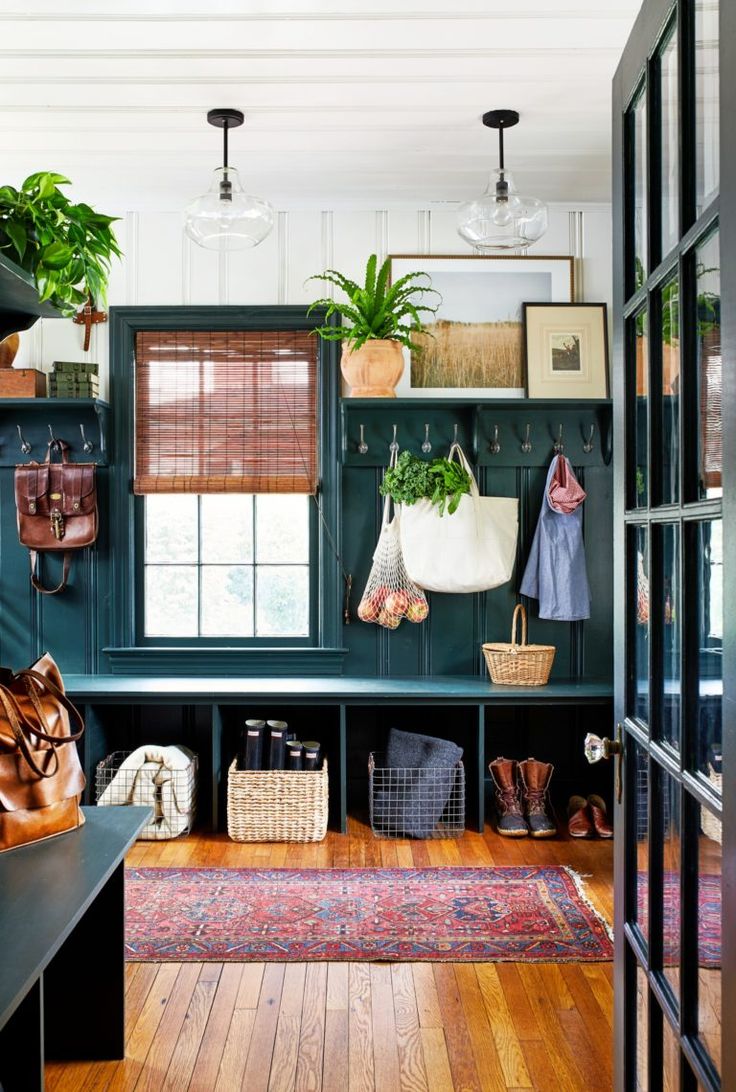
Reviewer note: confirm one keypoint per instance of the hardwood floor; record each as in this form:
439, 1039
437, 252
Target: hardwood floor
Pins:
360, 1027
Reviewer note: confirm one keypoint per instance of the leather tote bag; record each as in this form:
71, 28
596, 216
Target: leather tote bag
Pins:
472, 550
41, 778
57, 509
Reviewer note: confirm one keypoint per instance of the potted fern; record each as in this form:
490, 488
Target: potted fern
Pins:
379, 318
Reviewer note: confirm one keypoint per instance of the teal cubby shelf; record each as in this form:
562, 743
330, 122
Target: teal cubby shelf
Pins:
19, 304
491, 431
67, 418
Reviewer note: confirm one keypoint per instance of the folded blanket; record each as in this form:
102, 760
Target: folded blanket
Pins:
155, 777
416, 785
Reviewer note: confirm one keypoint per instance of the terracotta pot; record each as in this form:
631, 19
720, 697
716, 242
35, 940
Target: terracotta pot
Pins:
374, 370
8, 348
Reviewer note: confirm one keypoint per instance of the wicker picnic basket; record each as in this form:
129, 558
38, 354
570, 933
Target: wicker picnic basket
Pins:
519, 664
277, 805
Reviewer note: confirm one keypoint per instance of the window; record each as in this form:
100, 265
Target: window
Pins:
227, 565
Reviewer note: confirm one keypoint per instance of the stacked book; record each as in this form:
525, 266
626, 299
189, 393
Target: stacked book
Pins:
74, 379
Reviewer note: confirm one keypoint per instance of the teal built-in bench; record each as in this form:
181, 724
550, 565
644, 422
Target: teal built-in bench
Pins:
349, 716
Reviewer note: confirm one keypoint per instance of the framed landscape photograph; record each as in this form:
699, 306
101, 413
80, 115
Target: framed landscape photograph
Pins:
566, 350
474, 345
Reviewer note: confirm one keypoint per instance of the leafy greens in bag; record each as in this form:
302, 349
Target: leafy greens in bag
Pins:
440, 481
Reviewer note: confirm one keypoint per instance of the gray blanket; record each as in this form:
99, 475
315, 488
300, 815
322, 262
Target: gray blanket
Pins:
416, 784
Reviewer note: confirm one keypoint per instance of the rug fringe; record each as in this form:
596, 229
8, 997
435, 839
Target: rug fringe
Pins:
578, 879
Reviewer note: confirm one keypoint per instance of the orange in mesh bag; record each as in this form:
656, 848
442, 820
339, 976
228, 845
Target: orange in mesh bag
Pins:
389, 594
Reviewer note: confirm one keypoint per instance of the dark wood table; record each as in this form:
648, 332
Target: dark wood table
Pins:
62, 932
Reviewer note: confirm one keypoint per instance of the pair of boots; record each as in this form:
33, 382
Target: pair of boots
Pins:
521, 790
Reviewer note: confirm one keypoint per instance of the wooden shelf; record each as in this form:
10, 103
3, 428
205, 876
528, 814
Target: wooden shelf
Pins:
19, 304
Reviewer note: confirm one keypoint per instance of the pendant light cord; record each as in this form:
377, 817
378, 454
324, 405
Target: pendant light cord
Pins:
500, 147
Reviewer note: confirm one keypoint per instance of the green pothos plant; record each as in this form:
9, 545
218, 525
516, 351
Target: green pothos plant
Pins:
67, 248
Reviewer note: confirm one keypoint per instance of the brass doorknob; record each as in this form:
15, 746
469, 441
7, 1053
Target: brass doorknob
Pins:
597, 748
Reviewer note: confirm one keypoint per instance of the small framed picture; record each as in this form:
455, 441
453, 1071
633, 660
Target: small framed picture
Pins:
566, 346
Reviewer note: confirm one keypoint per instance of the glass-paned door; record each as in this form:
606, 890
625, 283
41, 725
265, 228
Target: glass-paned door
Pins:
675, 960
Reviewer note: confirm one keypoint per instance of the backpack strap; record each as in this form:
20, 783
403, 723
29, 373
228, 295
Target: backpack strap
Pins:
35, 580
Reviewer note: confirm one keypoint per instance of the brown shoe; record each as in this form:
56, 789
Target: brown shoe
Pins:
535, 778
599, 815
579, 819
511, 824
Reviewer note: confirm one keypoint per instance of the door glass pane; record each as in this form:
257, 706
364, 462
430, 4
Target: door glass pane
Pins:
709, 570
670, 409
641, 825
642, 1031
706, 102
641, 217
671, 885
669, 143
709, 934
639, 489
670, 618
670, 1059
709, 383
639, 603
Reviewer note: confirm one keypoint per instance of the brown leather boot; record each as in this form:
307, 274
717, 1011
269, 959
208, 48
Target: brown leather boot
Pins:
504, 772
535, 778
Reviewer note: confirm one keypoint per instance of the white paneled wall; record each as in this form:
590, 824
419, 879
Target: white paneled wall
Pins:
161, 266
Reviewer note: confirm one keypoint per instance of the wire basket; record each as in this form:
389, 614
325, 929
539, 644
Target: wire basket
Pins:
519, 664
171, 793
415, 803
277, 805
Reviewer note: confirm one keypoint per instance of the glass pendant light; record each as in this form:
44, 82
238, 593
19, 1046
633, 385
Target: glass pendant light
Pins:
226, 218
501, 219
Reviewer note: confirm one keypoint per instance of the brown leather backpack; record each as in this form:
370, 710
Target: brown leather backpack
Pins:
57, 509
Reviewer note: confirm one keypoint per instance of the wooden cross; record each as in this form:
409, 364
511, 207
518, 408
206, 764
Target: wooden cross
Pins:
88, 317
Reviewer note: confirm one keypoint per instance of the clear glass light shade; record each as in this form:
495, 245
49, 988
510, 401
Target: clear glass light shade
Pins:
225, 218
501, 219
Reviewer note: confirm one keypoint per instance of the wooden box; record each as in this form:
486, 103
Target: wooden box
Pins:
22, 383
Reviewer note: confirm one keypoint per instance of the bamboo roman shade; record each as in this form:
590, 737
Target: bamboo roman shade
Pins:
226, 411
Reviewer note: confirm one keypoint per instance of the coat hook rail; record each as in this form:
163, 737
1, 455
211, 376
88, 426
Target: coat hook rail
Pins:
559, 446
495, 446
362, 445
588, 445
526, 445
25, 447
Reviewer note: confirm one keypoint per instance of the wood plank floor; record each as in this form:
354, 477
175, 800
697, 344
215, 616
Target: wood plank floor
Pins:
360, 1027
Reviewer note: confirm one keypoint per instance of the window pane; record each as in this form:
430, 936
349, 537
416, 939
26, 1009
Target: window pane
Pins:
670, 617
670, 409
709, 935
282, 601
171, 601
710, 368
641, 212
639, 426
171, 527
641, 820
227, 528
640, 604
669, 143
282, 529
706, 102
671, 886
709, 568
227, 601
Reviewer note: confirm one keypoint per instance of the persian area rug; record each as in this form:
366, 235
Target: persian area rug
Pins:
394, 914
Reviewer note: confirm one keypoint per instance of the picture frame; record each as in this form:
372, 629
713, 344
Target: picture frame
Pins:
566, 350
477, 345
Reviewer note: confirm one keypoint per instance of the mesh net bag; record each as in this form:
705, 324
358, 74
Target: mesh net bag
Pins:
390, 595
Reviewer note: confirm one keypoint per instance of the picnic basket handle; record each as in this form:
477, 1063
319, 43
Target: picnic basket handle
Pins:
518, 609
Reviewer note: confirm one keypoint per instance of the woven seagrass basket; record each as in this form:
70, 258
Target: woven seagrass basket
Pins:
277, 805
519, 664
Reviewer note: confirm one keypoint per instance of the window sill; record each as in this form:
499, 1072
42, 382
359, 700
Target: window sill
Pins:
262, 662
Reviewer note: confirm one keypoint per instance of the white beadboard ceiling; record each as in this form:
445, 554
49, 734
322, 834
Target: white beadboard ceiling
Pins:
345, 104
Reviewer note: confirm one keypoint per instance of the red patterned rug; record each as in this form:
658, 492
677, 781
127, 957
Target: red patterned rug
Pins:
398, 914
